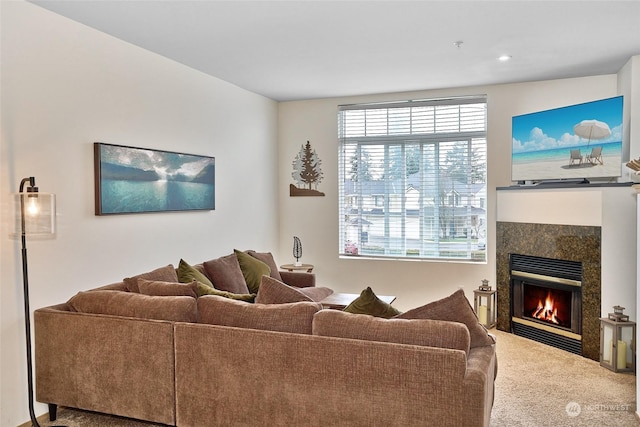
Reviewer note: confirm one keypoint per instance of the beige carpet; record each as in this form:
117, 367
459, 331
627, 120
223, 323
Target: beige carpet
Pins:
536, 382
535, 385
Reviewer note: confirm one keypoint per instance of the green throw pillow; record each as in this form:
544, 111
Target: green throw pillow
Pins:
252, 269
210, 290
369, 303
188, 273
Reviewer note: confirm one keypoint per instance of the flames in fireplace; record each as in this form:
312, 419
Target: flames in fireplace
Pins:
547, 310
549, 305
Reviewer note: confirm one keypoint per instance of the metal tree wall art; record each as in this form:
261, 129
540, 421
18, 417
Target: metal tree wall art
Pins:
297, 249
306, 173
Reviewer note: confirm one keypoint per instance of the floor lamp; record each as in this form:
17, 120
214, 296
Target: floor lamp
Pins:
35, 217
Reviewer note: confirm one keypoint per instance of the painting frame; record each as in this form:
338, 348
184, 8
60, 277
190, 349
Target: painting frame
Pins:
132, 180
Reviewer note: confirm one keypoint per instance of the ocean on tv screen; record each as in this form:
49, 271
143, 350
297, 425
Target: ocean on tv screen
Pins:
573, 142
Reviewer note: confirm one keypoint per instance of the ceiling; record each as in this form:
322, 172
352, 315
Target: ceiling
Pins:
294, 50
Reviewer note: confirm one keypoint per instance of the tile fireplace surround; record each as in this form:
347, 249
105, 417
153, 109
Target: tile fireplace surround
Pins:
566, 242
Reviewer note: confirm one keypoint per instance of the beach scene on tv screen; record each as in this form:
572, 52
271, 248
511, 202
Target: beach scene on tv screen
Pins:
576, 141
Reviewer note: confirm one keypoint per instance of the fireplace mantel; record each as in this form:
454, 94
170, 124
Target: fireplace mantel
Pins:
565, 185
593, 225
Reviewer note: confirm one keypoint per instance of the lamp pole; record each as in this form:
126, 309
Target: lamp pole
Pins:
25, 285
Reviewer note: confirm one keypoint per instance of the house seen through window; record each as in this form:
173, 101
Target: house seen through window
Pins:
413, 179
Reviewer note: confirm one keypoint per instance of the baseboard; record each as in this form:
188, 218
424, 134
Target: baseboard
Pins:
44, 418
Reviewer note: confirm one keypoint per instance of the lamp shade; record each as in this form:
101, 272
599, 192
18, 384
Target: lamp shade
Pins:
39, 211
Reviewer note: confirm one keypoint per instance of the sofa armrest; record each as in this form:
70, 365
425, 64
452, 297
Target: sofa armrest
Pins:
298, 279
116, 365
479, 380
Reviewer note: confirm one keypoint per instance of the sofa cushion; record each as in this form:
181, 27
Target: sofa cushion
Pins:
129, 304
454, 308
273, 291
226, 275
316, 293
298, 279
157, 288
188, 273
163, 274
292, 317
267, 258
209, 290
369, 303
423, 332
252, 269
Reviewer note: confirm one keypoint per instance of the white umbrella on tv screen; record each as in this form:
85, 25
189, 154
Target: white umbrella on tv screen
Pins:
592, 129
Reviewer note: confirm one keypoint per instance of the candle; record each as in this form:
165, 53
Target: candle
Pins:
622, 355
609, 356
482, 314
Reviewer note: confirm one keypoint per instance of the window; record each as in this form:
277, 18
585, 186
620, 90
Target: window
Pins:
413, 179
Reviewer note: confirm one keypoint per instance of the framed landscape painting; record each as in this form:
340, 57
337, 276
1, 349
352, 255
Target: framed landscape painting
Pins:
137, 180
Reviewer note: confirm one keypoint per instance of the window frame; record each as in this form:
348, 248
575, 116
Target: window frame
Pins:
474, 223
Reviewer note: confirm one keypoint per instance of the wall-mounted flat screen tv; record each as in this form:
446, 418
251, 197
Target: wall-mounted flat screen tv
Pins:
568, 143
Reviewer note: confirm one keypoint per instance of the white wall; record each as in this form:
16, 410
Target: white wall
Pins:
65, 86
637, 288
629, 82
315, 219
629, 86
551, 206
619, 252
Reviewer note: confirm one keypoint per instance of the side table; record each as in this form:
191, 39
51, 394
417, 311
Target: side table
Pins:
292, 267
340, 301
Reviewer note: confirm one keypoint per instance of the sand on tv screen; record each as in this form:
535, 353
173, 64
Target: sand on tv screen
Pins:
573, 142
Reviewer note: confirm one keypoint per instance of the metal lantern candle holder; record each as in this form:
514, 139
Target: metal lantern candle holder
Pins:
617, 342
484, 304
485, 285
618, 314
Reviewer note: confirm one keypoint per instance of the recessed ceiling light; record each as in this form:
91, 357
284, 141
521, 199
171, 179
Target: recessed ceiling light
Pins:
458, 43
504, 58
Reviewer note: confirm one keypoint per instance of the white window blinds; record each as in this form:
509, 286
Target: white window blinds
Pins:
412, 178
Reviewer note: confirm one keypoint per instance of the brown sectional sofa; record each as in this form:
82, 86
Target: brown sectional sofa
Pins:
220, 362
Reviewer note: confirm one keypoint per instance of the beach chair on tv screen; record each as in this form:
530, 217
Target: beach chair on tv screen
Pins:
576, 156
595, 156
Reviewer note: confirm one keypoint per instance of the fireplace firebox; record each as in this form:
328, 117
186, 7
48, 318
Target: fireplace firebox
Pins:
546, 301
